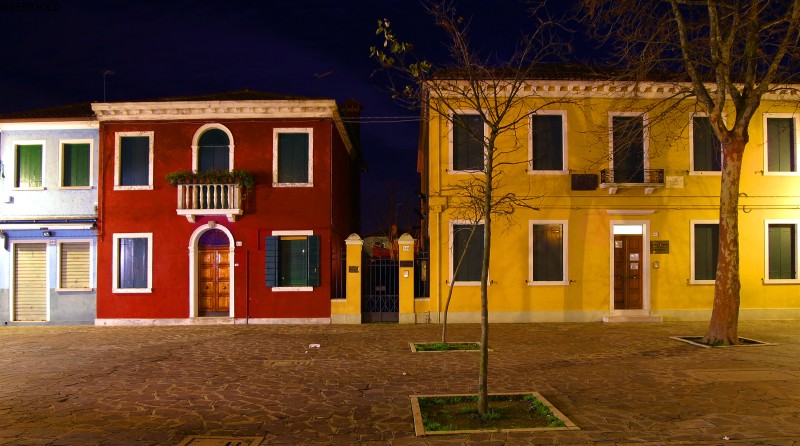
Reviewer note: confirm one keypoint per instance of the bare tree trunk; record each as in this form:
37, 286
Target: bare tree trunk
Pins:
483, 372
725, 313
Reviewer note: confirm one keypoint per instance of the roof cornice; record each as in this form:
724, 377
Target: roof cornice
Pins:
48, 124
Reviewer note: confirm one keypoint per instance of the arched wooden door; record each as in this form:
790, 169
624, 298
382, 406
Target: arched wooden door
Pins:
214, 294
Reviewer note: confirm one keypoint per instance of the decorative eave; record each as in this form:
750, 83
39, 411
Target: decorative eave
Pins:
246, 109
612, 89
48, 124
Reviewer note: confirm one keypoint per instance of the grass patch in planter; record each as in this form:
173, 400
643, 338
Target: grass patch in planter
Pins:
698, 341
445, 346
451, 414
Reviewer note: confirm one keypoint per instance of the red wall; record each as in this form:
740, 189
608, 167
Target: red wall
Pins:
325, 208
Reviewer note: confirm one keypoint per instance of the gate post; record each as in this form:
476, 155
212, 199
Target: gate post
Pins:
407, 313
350, 312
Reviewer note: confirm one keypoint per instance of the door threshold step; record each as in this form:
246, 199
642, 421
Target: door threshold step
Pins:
211, 320
617, 319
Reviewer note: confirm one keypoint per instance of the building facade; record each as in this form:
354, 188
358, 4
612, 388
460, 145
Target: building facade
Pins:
48, 212
263, 192
623, 184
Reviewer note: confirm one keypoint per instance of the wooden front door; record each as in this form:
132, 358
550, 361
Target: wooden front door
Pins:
214, 287
628, 264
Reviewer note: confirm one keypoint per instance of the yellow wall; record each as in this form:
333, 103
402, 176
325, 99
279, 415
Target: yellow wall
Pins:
667, 211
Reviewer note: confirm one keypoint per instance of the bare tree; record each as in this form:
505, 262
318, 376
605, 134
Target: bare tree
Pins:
492, 89
726, 55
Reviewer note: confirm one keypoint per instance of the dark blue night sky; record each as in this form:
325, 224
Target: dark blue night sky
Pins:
56, 51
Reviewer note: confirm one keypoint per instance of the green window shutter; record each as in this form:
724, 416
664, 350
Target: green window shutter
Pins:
782, 251
468, 143
293, 158
548, 142
29, 166
706, 150
548, 253
780, 145
313, 260
706, 248
76, 165
271, 246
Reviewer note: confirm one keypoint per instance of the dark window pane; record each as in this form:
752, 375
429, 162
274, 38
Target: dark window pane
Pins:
293, 158
293, 261
628, 134
468, 142
780, 145
134, 161
76, 165
213, 151
133, 269
29, 166
472, 264
706, 248
782, 251
707, 150
548, 253
548, 142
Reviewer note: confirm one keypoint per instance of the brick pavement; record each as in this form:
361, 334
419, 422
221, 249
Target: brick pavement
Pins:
622, 384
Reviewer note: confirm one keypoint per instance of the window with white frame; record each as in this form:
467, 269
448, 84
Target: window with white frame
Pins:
468, 135
628, 148
133, 263
292, 261
780, 139
548, 141
29, 164
466, 248
74, 267
548, 253
705, 247
133, 153
781, 255
706, 148
213, 151
293, 157
76, 164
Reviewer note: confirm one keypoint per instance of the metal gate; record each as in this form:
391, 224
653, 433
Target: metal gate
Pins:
380, 301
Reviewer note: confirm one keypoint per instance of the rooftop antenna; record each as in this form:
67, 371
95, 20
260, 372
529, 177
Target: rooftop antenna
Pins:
106, 73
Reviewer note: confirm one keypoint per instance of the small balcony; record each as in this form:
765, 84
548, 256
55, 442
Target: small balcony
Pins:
647, 179
209, 199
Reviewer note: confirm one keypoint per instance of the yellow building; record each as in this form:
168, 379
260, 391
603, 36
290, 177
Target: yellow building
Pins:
626, 184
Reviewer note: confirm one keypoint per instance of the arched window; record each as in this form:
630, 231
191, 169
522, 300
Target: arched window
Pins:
213, 151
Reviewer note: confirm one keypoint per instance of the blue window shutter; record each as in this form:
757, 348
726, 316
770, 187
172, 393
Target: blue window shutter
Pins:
272, 260
313, 260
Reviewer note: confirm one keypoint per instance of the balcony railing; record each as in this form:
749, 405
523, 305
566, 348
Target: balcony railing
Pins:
648, 179
209, 199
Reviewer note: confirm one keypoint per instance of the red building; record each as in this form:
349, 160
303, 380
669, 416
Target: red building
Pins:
262, 191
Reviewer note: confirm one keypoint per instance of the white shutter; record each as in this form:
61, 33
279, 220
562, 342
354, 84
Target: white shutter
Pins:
30, 282
74, 264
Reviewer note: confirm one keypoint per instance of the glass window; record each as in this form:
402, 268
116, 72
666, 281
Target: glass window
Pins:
75, 164
472, 263
29, 166
213, 151
782, 251
134, 161
706, 148
628, 149
547, 242
547, 140
781, 151
75, 266
133, 262
293, 158
293, 261
706, 248
468, 142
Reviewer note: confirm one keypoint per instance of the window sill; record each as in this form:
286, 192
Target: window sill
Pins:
73, 290
702, 282
75, 187
710, 173
133, 187
547, 172
292, 184
466, 172
478, 283
292, 288
542, 283
132, 290
782, 282
29, 188
781, 174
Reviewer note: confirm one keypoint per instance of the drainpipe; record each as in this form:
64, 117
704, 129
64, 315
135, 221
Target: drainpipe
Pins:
247, 286
5, 239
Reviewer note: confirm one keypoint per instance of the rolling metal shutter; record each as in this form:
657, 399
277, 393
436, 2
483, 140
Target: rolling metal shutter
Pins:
74, 265
30, 285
